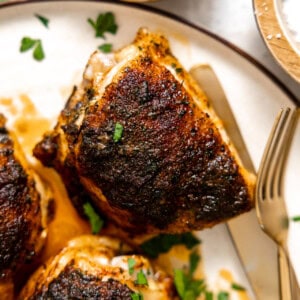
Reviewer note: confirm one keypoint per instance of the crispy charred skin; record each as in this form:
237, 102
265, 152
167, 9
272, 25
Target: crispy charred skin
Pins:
93, 267
73, 283
20, 216
49, 150
171, 170
169, 161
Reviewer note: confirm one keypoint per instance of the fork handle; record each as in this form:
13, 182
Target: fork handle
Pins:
289, 288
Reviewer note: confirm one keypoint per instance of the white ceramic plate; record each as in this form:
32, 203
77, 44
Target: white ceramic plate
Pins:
254, 96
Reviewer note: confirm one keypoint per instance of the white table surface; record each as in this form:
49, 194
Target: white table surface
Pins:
234, 21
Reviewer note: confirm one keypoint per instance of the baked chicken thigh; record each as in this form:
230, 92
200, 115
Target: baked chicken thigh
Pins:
22, 219
140, 138
91, 267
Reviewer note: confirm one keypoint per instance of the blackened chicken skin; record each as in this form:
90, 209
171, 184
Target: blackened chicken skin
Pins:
172, 168
22, 229
91, 267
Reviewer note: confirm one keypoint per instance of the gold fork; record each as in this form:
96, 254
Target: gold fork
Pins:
270, 204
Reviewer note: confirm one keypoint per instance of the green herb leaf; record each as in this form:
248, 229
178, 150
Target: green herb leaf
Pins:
223, 296
296, 218
189, 295
105, 48
118, 132
137, 296
237, 287
197, 286
164, 242
104, 23
141, 278
209, 295
43, 20
38, 52
188, 287
27, 43
95, 220
180, 282
131, 264
194, 260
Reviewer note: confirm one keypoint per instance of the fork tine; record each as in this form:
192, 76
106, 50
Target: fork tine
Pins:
286, 139
279, 137
265, 162
270, 206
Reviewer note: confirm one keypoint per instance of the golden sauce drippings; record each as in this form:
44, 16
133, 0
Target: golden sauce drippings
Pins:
178, 258
227, 275
66, 224
29, 127
8, 102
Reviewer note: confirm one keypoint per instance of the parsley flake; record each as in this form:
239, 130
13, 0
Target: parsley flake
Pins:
105, 48
186, 285
223, 296
141, 278
131, 264
237, 287
209, 296
194, 260
28, 43
104, 23
44, 20
118, 132
95, 220
296, 218
164, 242
38, 52
137, 296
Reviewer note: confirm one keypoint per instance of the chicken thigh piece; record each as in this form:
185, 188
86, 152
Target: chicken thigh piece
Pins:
140, 138
22, 217
91, 267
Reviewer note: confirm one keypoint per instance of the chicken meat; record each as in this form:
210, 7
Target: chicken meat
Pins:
92, 267
140, 140
22, 214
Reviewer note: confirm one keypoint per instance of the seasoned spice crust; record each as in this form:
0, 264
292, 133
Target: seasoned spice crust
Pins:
73, 283
170, 159
170, 170
20, 219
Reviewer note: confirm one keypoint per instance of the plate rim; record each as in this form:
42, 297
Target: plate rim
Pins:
186, 22
241, 53
276, 46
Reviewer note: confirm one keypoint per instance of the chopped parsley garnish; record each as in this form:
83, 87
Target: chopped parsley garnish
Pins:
186, 285
194, 260
28, 43
137, 296
296, 218
223, 296
95, 220
141, 278
44, 20
118, 132
209, 296
131, 264
104, 23
105, 48
237, 287
164, 242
